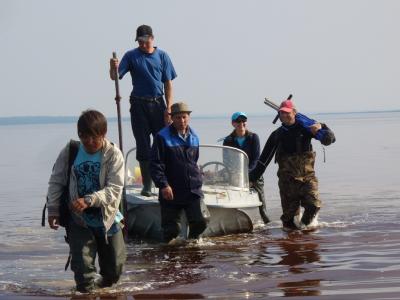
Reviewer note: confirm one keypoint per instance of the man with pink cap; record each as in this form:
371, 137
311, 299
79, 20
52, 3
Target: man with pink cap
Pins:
298, 185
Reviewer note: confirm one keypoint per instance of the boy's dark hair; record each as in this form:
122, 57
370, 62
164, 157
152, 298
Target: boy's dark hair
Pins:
92, 123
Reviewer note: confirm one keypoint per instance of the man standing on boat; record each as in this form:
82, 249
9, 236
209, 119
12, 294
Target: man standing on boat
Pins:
298, 184
175, 172
152, 73
249, 142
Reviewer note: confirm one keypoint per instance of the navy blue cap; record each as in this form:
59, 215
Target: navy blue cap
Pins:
143, 32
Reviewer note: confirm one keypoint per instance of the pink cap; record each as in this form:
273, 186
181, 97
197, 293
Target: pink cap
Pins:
286, 106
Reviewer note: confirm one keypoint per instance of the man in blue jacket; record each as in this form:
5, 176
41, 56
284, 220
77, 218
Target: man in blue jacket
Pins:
175, 172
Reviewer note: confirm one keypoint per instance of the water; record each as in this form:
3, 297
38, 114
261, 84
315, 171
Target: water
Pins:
354, 254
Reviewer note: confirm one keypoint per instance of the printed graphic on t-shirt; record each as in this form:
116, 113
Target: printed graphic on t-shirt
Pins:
88, 177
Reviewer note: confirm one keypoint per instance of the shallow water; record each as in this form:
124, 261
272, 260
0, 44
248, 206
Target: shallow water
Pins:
354, 254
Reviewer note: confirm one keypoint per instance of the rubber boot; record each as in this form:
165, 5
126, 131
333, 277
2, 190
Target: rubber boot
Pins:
310, 211
289, 225
263, 209
259, 187
146, 178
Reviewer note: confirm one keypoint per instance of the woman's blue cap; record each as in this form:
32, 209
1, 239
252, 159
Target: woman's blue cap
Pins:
238, 114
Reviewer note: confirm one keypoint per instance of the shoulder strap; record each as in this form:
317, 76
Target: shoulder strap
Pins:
73, 152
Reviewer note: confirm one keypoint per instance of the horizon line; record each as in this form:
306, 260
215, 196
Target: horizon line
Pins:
48, 119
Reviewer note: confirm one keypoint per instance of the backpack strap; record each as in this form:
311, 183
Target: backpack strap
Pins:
44, 214
73, 152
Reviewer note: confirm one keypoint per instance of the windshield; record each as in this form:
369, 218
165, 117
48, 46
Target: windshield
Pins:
223, 166
220, 166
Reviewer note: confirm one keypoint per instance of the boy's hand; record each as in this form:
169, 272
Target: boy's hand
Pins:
79, 205
54, 222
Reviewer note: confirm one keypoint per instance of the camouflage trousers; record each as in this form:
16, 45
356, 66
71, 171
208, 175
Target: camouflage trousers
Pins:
298, 185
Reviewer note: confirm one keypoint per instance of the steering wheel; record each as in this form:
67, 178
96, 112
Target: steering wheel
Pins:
225, 173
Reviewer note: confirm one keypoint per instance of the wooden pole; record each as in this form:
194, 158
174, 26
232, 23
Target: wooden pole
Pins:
123, 204
117, 100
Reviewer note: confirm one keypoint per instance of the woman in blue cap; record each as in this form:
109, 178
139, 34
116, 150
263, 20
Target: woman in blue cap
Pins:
249, 142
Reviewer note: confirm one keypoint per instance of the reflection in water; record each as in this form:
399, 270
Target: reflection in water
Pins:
168, 265
96, 297
301, 288
180, 265
138, 296
301, 249
168, 296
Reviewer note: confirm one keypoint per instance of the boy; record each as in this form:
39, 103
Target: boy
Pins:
94, 188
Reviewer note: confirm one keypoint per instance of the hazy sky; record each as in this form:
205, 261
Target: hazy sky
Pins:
334, 56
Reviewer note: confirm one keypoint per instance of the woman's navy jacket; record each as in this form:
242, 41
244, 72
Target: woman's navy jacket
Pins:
251, 146
174, 162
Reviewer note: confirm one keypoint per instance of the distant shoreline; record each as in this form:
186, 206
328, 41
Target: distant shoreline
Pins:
33, 120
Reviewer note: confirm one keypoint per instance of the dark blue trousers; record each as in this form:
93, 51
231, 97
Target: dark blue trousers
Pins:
171, 213
147, 117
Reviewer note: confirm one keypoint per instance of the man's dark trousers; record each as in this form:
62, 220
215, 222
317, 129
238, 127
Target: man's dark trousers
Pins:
171, 214
147, 117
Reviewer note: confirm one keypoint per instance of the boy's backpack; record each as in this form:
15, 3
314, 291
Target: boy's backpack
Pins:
64, 212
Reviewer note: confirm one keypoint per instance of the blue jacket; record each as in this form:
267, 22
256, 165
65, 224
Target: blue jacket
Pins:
174, 162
